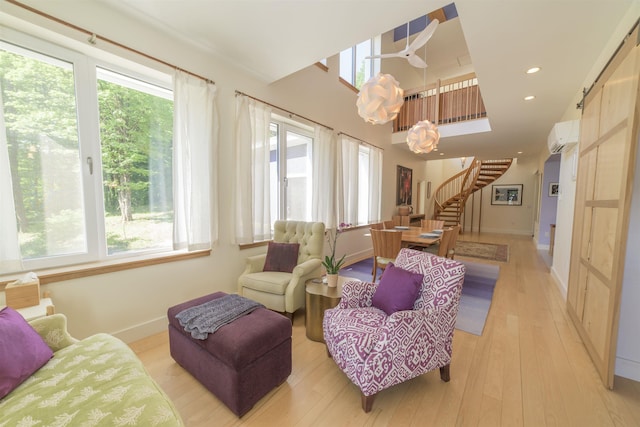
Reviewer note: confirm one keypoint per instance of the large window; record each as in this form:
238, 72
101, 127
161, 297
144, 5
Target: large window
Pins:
90, 155
290, 171
354, 68
136, 121
362, 185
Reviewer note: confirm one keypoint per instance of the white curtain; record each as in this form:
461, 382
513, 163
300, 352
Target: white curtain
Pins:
10, 258
252, 180
375, 184
348, 201
324, 199
195, 148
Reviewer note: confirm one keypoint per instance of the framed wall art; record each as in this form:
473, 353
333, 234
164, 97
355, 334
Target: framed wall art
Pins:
403, 186
554, 189
508, 195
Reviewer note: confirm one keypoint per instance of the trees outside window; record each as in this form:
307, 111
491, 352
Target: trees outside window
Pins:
354, 68
90, 157
136, 123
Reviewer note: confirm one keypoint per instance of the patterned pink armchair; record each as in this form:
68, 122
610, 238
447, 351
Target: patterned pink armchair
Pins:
376, 350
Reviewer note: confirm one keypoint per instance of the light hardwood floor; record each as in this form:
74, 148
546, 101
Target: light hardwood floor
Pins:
529, 368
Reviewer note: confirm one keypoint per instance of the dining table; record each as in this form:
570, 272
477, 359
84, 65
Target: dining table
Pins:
417, 236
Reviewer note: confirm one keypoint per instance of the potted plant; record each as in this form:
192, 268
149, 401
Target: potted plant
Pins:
330, 263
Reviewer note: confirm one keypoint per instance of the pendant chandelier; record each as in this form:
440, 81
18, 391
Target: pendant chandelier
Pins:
380, 99
423, 137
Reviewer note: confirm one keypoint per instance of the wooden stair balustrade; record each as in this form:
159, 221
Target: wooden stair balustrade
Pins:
451, 196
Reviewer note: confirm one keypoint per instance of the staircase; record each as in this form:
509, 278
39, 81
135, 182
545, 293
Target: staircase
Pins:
451, 196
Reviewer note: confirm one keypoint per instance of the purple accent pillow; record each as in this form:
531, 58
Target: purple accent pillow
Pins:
397, 291
281, 257
22, 350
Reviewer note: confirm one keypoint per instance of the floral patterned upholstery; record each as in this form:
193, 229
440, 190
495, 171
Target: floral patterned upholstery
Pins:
377, 351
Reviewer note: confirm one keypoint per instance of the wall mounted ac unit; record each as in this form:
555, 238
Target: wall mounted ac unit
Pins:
563, 135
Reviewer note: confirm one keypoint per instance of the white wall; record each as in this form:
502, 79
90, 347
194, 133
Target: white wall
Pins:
132, 304
511, 219
494, 218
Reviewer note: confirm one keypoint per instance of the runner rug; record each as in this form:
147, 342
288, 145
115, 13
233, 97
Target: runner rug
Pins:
490, 251
477, 291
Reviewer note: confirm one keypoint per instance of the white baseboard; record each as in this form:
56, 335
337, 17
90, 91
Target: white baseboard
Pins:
562, 287
543, 247
142, 330
628, 368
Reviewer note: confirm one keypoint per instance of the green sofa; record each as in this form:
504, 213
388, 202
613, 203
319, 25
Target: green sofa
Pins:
94, 382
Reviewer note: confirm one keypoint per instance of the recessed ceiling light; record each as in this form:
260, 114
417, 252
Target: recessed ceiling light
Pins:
533, 70
529, 98
442, 154
519, 152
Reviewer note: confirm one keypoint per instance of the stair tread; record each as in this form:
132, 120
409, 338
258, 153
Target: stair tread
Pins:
487, 172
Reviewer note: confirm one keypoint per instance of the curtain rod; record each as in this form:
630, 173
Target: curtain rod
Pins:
93, 37
361, 141
282, 109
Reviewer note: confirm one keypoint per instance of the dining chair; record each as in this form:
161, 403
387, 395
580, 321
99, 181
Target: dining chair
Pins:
431, 224
453, 239
387, 225
403, 220
386, 245
377, 226
442, 247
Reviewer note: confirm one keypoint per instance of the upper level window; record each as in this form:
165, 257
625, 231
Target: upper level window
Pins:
89, 152
354, 68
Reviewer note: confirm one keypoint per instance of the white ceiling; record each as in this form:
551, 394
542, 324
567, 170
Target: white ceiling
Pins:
274, 38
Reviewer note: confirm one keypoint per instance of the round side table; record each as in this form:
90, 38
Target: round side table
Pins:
320, 297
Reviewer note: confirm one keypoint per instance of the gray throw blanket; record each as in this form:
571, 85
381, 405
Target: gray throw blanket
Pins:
204, 319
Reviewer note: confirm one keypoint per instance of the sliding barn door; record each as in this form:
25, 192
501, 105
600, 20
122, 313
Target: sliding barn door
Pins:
608, 143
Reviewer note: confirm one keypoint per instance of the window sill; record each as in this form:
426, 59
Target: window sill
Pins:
349, 85
322, 66
94, 269
254, 244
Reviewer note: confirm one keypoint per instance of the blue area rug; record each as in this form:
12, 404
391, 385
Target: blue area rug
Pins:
477, 291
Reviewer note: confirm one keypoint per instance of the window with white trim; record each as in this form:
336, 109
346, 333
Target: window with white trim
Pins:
354, 68
362, 186
291, 166
90, 154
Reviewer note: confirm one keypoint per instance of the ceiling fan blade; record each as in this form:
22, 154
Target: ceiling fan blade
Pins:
416, 61
384, 55
424, 36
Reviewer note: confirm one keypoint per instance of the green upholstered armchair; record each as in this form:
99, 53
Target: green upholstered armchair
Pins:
281, 291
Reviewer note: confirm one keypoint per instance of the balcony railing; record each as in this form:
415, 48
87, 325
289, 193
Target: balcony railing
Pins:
447, 102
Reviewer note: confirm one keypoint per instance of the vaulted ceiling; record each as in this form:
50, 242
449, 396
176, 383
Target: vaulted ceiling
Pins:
498, 39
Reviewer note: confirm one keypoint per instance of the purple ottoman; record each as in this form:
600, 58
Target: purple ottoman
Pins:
239, 363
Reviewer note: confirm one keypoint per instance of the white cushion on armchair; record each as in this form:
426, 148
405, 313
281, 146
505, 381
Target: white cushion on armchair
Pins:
279, 291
